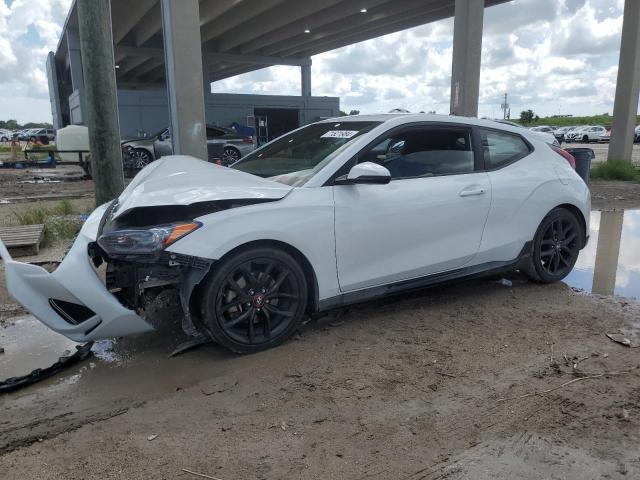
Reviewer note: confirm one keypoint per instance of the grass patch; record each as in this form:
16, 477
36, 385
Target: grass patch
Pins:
65, 228
32, 216
65, 207
59, 222
616, 170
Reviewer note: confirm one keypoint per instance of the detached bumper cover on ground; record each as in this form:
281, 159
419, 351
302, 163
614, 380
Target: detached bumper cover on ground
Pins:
91, 312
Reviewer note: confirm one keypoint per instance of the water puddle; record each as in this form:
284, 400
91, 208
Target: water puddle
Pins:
610, 263
28, 344
138, 364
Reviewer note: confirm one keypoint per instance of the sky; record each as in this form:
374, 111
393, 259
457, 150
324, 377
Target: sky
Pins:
552, 56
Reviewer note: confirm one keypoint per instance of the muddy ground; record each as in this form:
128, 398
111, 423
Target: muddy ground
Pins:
444, 383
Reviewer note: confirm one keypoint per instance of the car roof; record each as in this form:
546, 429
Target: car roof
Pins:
397, 119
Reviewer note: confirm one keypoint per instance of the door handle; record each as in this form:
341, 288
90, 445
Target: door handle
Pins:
472, 191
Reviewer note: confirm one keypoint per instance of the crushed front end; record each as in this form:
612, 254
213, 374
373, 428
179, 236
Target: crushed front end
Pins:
139, 271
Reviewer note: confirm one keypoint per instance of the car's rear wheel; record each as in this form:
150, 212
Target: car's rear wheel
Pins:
585, 139
254, 300
556, 246
230, 155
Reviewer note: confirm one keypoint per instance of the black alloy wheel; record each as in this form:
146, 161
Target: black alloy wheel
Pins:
255, 300
556, 246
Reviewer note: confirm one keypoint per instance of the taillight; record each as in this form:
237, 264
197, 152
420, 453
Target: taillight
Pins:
566, 155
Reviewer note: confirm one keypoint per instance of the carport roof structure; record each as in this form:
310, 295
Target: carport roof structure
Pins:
239, 36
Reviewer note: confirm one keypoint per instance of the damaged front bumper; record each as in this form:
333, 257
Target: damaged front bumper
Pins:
74, 301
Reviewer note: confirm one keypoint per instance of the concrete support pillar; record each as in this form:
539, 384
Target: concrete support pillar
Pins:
305, 77
467, 52
305, 89
101, 95
183, 61
206, 80
77, 77
607, 252
625, 107
54, 91
75, 60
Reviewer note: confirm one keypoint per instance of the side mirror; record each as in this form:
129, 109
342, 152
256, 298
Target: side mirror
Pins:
365, 173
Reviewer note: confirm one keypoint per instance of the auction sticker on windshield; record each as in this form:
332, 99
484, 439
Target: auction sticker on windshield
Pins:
340, 134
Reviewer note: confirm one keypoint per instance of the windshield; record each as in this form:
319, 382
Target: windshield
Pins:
296, 157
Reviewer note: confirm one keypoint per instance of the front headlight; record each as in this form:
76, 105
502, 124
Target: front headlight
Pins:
144, 241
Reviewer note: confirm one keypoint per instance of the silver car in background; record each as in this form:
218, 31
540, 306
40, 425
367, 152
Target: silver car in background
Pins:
224, 145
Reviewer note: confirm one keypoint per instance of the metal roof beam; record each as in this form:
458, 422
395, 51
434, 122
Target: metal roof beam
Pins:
319, 19
150, 25
376, 28
232, 72
236, 16
256, 59
129, 64
139, 51
212, 9
293, 11
128, 14
145, 67
214, 57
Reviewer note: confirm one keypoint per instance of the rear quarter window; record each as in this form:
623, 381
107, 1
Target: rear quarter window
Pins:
502, 148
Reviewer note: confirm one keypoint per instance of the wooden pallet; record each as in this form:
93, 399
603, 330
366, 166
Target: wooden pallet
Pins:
22, 240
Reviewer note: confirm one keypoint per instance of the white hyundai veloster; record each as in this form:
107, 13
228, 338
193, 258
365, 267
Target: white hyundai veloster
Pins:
334, 213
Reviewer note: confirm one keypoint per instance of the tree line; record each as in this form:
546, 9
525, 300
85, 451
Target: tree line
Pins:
14, 125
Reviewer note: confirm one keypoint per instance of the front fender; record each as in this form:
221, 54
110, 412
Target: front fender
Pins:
304, 220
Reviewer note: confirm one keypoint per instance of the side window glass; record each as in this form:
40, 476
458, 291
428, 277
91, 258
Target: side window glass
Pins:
501, 148
214, 133
424, 152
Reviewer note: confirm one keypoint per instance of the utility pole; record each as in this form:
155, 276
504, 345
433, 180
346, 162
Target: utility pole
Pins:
506, 110
101, 99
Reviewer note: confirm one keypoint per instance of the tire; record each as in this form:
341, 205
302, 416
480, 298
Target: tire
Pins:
556, 247
86, 166
585, 139
230, 155
4, 139
140, 158
254, 300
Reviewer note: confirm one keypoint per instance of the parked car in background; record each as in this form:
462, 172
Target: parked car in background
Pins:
546, 137
341, 211
637, 135
43, 135
22, 135
605, 137
543, 128
561, 132
233, 146
592, 134
5, 135
586, 134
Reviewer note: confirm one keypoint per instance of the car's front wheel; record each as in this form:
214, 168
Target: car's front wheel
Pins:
230, 155
556, 246
140, 158
254, 300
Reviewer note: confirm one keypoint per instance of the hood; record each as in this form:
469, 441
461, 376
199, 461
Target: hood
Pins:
138, 140
183, 180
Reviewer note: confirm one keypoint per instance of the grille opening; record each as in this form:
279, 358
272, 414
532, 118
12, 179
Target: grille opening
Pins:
72, 313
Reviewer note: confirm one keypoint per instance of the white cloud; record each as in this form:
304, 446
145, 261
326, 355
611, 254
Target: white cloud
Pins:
28, 31
554, 56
